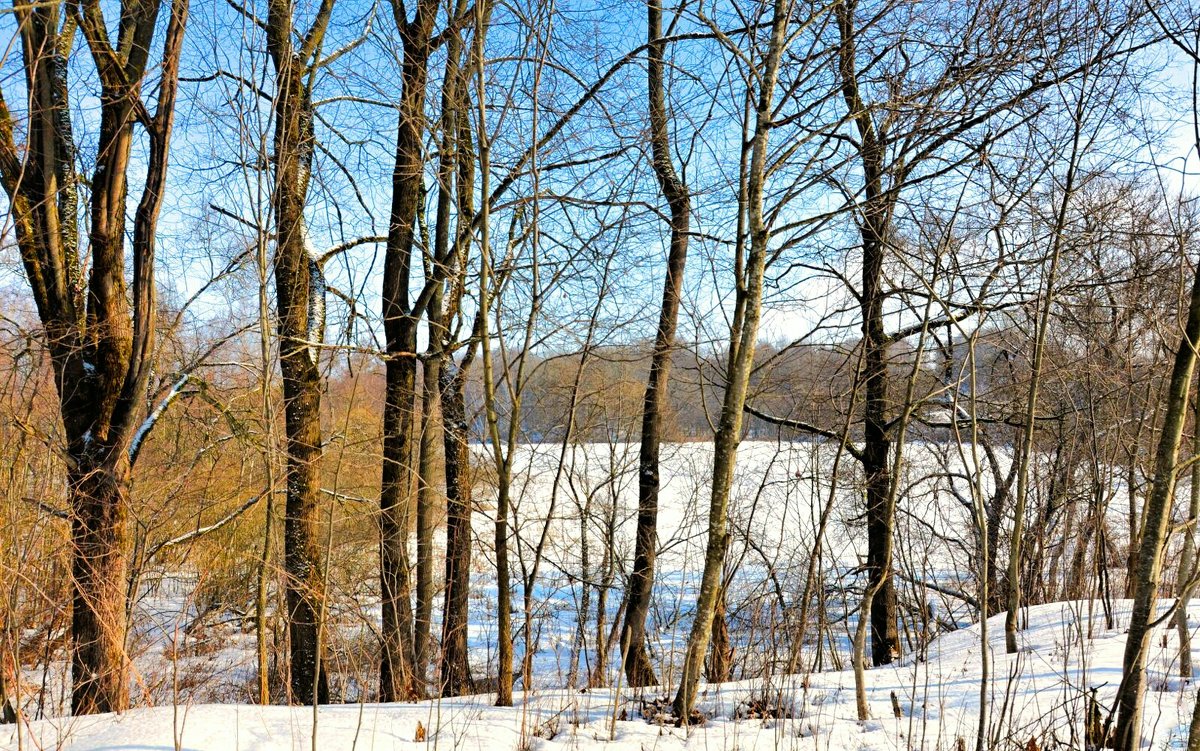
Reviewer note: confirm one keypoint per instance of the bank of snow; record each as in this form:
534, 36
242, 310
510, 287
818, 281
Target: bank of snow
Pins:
1040, 693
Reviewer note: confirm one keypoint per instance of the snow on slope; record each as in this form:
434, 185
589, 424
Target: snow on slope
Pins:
1067, 650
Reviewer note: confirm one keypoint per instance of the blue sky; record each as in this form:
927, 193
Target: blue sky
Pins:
584, 38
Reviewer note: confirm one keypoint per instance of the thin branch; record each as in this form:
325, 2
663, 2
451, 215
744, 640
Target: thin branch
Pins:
139, 438
802, 426
189, 536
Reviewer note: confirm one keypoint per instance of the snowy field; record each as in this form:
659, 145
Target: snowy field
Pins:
781, 495
1041, 693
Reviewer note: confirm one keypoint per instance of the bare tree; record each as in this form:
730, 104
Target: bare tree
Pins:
300, 301
101, 345
400, 321
1156, 522
899, 144
638, 670
743, 339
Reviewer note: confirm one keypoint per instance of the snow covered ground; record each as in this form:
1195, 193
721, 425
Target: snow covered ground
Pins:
1041, 693
183, 663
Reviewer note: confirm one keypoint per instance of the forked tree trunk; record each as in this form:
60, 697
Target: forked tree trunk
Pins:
101, 347
719, 667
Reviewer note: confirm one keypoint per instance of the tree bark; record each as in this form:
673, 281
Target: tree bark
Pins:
101, 347
1157, 518
743, 341
300, 302
99, 662
638, 670
303, 572
719, 667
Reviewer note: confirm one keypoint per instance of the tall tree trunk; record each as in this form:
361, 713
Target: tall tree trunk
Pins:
455, 670
743, 341
296, 290
397, 679
435, 270
300, 301
873, 228
1157, 516
638, 670
457, 164
264, 574
503, 461
101, 348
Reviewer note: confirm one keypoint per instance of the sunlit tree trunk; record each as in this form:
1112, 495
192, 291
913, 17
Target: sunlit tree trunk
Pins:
743, 341
397, 677
100, 334
1131, 693
300, 303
